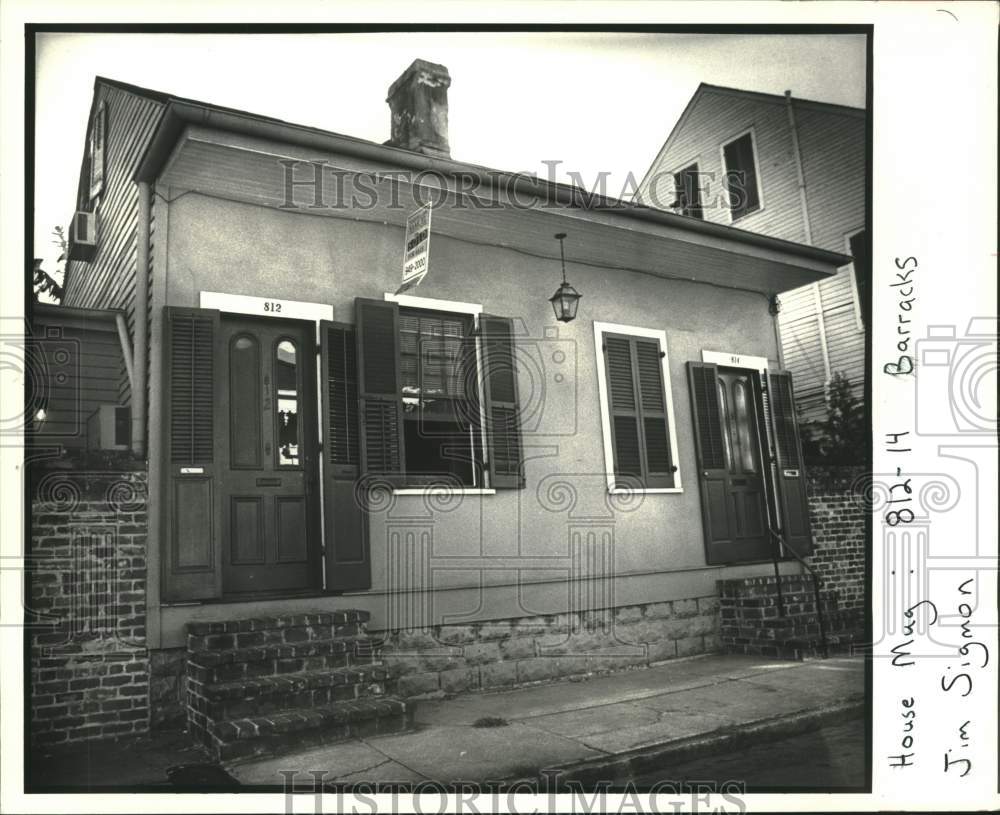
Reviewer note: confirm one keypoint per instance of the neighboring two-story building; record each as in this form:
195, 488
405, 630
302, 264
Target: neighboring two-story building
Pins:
793, 169
451, 467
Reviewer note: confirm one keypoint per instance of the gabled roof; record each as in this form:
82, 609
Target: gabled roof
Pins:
182, 115
757, 96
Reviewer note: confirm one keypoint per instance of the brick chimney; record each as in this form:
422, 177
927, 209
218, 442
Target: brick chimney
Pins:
418, 101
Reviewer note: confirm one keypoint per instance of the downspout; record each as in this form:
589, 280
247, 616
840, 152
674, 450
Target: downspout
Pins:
126, 345
141, 340
797, 153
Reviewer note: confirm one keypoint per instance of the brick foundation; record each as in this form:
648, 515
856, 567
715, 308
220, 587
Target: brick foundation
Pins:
505, 653
87, 615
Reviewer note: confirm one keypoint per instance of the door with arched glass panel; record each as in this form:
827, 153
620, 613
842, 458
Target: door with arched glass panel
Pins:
269, 481
742, 452
728, 410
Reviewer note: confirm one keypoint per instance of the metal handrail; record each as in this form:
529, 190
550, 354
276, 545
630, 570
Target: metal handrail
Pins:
777, 536
816, 588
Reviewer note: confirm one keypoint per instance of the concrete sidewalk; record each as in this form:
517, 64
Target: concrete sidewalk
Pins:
603, 723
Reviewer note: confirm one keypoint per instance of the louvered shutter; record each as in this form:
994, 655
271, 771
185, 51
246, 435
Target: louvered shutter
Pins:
503, 420
622, 408
637, 410
793, 496
348, 563
657, 455
380, 407
703, 380
193, 427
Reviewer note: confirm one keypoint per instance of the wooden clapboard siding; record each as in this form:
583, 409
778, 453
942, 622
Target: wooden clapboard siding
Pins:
821, 332
83, 368
109, 280
716, 118
833, 162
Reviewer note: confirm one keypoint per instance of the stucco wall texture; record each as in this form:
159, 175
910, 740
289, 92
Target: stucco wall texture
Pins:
516, 535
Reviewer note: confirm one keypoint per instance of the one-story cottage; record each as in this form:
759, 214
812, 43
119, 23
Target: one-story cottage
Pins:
380, 494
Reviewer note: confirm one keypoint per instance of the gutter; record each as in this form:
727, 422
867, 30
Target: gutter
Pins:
178, 114
140, 351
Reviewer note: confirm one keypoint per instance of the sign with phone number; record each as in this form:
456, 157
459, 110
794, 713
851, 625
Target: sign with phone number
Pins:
416, 248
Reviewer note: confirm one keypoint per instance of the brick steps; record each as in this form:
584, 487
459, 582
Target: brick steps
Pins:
213, 667
753, 621
270, 694
263, 685
307, 727
838, 642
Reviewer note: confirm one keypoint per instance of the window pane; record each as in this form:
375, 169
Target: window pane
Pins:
286, 380
741, 177
743, 427
442, 422
724, 410
244, 402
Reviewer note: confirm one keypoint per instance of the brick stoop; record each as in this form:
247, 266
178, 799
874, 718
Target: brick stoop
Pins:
266, 685
752, 620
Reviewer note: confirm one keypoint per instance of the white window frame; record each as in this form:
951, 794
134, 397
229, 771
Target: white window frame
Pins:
858, 320
733, 359
602, 391
756, 170
475, 310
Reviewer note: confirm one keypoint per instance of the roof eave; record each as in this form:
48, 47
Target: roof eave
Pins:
179, 114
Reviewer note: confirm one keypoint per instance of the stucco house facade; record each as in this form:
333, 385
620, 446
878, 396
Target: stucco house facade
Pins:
387, 495
794, 169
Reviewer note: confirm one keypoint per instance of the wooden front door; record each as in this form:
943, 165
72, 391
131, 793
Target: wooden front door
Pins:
744, 474
729, 434
268, 478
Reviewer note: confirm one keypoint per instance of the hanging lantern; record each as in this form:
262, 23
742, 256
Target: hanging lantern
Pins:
566, 298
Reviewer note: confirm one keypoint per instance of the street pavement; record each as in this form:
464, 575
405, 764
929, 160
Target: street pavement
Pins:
610, 726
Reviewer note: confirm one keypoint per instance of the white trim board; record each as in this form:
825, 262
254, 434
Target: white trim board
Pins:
732, 359
265, 306
602, 394
431, 304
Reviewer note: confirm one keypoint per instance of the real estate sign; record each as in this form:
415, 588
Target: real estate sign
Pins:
416, 250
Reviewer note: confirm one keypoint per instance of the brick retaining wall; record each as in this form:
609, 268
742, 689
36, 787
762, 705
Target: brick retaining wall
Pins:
87, 616
837, 514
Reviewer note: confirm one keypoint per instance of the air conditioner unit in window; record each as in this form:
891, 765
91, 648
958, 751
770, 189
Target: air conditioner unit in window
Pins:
109, 428
83, 236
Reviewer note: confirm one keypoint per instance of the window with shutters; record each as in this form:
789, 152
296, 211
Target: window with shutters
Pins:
742, 180
439, 384
636, 409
